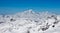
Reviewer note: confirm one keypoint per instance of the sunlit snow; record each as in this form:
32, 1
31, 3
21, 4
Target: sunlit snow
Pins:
30, 22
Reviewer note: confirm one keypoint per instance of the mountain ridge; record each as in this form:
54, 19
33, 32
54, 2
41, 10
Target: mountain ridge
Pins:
30, 22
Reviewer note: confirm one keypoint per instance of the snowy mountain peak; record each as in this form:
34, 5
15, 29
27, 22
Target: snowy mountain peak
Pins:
29, 11
30, 22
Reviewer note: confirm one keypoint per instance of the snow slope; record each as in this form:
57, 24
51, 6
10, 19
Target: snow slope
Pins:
30, 22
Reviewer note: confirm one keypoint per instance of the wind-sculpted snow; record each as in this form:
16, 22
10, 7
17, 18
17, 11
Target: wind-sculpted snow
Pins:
30, 22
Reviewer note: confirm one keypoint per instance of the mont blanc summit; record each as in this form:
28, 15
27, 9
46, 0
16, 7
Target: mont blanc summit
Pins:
30, 22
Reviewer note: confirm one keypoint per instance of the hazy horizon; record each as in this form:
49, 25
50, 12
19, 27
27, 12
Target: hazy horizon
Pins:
14, 6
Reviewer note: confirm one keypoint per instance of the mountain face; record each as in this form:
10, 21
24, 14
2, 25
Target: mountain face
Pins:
30, 22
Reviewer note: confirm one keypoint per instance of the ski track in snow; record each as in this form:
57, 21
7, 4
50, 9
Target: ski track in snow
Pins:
30, 22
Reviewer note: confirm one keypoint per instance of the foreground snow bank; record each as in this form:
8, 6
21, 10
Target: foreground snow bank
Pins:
30, 22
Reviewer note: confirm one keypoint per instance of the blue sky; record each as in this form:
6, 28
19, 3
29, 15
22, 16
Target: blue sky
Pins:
14, 6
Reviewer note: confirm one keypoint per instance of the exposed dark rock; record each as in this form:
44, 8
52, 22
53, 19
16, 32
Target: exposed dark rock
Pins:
28, 31
55, 22
7, 17
55, 18
52, 15
36, 21
1, 22
48, 17
12, 20
53, 26
43, 29
39, 29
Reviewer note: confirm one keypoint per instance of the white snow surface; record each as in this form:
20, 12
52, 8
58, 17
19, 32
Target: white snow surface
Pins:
30, 22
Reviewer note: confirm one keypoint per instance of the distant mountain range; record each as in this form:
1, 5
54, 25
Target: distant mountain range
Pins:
30, 22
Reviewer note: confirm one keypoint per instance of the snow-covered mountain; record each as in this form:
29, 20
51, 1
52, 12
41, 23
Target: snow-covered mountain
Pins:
30, 22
